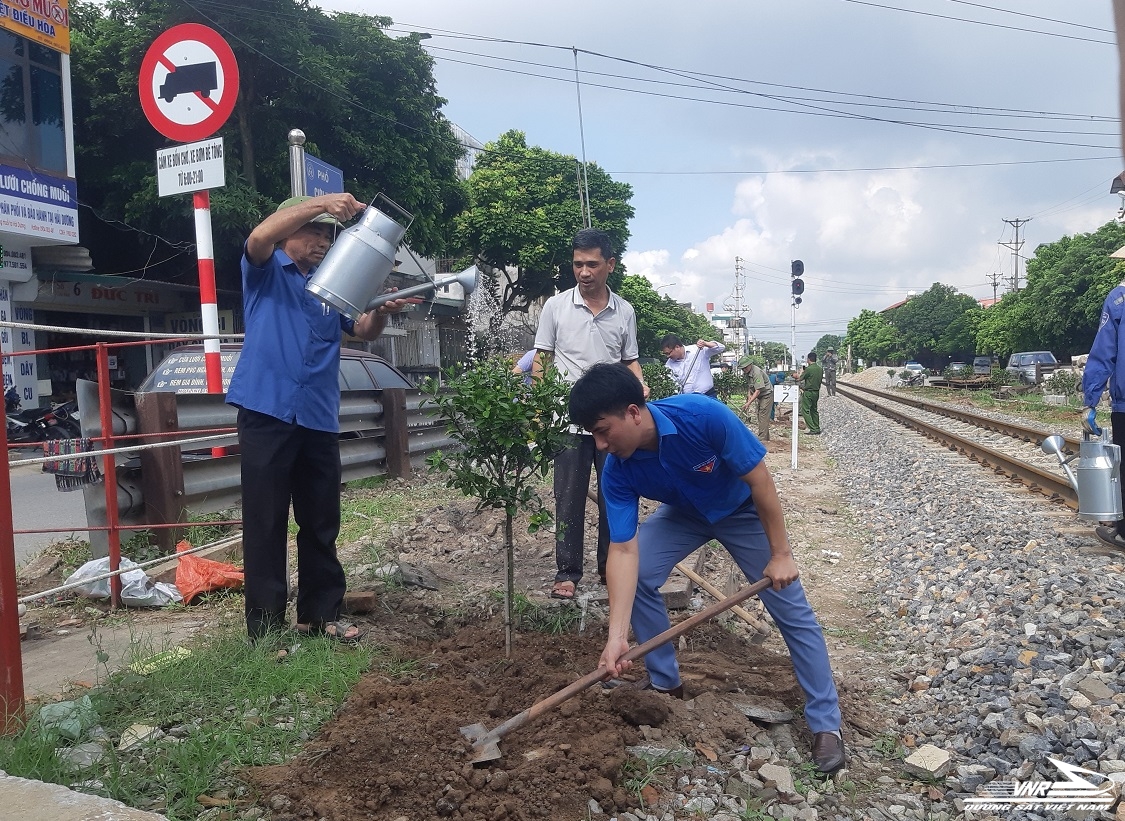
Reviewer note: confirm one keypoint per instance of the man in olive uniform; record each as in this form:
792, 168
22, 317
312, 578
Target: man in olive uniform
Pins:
759, 395
830, 362
810, 380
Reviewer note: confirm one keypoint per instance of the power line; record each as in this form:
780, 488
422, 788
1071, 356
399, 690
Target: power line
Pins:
1033, 16
981, 22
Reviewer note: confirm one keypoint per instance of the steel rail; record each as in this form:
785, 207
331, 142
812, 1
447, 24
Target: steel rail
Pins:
1016, 430
1034, 477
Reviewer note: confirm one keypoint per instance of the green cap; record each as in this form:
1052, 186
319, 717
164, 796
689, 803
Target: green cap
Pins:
745, 362
325, 219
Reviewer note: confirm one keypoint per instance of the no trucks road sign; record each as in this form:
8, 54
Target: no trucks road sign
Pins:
188, 82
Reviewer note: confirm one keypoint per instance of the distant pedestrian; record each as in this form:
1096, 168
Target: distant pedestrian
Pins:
759, 396
811, 377
830, 364
691, 364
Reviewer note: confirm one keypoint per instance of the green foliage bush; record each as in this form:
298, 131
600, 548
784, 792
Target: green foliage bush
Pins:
1063, 382
659, 380
730, 383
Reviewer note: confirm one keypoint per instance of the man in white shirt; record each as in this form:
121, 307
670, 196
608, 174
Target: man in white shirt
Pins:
691, 365
580, 328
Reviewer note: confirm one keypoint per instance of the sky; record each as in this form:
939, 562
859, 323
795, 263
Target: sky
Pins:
882, 142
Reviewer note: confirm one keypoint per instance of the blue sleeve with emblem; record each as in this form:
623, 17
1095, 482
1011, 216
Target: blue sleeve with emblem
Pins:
622, 504
736, 446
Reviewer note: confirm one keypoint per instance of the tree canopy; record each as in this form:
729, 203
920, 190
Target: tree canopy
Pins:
1059, 310
660, 315
366, 101
524, 209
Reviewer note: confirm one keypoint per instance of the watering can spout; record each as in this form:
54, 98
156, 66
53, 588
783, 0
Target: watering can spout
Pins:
467, 279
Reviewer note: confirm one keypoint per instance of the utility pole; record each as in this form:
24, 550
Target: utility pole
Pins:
737, 309
1016, 244
994, 278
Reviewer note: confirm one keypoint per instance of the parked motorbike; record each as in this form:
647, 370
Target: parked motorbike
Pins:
57, 422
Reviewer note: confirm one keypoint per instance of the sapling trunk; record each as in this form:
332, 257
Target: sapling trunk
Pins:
509, 589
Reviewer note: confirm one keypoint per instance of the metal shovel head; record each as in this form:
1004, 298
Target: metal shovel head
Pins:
485, 747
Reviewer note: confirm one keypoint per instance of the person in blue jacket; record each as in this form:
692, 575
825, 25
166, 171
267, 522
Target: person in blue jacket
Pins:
1106, 364
695, 455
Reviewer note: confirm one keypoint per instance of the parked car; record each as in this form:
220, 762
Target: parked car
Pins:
1031, 367
982, 365
957, 366
184, 371
914, 367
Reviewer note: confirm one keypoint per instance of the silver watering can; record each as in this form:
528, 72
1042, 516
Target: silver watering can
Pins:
355, 269
1096, 477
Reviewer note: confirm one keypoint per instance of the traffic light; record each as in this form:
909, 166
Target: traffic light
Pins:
797, 268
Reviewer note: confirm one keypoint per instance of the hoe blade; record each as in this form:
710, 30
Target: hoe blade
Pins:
486, 747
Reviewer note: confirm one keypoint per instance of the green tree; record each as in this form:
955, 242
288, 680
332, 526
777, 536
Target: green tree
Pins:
827, 341
775, 353
367, 102
873, 338
524, 210
959, 339
508, 434
659, 315
925, 317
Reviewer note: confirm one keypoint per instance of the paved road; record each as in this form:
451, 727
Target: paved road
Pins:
37, 503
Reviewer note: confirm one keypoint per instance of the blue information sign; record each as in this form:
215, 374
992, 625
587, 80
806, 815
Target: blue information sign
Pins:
322, 178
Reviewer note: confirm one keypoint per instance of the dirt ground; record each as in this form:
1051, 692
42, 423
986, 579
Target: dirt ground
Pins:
394, 751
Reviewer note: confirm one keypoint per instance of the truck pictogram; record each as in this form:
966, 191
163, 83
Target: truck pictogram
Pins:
197, 78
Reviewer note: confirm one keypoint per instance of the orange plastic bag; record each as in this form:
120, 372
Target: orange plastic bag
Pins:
196, 575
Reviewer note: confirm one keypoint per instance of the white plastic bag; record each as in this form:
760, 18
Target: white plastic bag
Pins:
137, 589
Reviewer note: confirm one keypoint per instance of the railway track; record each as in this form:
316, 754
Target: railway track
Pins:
1002, 446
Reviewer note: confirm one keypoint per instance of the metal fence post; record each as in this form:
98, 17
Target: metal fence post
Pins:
11, 658
162, 469
396, 435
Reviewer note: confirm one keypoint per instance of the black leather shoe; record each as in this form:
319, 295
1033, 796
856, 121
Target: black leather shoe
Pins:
828, 752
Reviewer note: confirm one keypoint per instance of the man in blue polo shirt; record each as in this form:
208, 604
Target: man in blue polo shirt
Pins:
287, 391
694, 455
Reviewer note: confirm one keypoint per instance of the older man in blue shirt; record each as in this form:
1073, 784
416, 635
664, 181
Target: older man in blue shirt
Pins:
694, 455
287, 391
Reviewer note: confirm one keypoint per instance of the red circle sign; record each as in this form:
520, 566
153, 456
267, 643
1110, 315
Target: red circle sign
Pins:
188, 82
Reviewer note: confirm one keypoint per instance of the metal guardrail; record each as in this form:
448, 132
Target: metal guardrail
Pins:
383, 433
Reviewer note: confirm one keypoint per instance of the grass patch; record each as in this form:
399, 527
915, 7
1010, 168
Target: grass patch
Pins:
554, 620
887, 746
225, 706
640, 771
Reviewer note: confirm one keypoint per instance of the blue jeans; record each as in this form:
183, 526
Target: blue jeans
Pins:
672, 534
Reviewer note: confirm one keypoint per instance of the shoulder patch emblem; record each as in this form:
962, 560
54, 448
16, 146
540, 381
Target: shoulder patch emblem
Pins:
708, 466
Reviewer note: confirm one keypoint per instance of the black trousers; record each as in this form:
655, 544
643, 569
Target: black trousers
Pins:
572, 479
284, 463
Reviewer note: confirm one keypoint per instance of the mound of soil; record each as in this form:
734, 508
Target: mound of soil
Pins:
394, 752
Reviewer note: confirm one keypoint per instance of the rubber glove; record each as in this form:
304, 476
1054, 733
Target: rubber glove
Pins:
1090, 421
